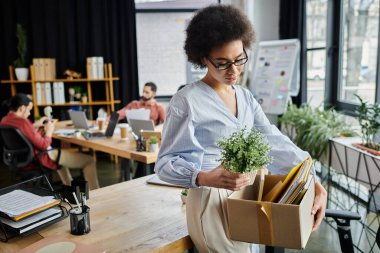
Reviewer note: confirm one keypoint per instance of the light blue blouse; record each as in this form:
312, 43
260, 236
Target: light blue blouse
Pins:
197, 119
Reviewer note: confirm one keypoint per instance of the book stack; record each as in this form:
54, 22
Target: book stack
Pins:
295, 185
46, 94
44, 68
95, 67
22, 211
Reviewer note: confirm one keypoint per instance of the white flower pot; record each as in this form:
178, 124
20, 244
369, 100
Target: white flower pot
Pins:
22, 74
183, 198
153, 147
252, 176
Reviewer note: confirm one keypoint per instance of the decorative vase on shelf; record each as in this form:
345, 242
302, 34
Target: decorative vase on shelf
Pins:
84, 99
22, 74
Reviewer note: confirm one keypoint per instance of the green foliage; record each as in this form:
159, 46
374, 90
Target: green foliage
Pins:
21, 47
77, 89
184, 192
369, 120
314, 127
153, 139
245, 151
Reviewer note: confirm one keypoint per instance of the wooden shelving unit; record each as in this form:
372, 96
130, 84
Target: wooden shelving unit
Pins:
108, 81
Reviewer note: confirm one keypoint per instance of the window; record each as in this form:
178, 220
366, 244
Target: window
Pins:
316, 23
342, 52
360, 50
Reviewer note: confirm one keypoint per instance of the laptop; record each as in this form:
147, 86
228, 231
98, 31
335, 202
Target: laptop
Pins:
109, 131
79, 119
139, 124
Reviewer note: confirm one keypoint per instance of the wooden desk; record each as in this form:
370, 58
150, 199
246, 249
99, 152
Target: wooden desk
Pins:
114, 145
126, 149
127, 217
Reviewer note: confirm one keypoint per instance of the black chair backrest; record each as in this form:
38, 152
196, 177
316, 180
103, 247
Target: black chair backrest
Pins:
17, 149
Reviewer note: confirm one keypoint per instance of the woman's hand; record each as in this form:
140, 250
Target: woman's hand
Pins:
319, 206
49, 129
221, 178
39, 123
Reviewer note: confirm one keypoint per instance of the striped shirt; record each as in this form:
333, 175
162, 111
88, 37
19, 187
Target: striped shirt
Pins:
197, 119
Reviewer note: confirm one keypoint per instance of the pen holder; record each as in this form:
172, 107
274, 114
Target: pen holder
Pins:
80, 223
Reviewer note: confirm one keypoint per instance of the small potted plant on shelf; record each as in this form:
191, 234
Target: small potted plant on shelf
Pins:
369, 120
153, 144
245, 152
78, 95
184, 195
84, 97
20, 66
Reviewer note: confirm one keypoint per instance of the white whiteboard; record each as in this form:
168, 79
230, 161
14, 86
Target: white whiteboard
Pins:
275, 75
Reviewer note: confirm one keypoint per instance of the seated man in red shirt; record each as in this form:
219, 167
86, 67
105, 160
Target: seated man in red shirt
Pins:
147, 101
19, 110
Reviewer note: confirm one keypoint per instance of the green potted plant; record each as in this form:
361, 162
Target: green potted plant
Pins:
245, 151
84, 97
184, 193
78, 94
369, 120
153, 144
20, 65
312, 128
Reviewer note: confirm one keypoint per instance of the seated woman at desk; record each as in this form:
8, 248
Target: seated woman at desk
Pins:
19, 110
202, 113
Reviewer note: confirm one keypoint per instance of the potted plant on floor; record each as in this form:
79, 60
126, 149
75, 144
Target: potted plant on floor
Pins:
184, 193
20, 66
245, 152
369, 120
312, 128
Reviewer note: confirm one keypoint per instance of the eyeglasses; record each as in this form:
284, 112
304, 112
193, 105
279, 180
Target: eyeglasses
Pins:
227, 65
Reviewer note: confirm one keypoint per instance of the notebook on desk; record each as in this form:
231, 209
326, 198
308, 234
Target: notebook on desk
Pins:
109, 131
155, 180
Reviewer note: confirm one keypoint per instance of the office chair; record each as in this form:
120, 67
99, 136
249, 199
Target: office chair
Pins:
18, 153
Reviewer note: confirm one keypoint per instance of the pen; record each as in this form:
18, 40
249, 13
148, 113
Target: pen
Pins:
79, 209
68, 203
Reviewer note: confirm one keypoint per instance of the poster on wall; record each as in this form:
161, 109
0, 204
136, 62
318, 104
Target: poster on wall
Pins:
276, 74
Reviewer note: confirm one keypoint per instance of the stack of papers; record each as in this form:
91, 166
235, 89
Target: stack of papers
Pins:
19, 204
34, 221
295, 184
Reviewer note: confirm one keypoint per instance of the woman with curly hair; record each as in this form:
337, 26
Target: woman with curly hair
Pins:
202, 113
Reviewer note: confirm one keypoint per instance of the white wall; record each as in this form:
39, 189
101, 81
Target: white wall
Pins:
266, 16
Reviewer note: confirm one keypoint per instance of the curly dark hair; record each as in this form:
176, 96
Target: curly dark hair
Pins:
213, 27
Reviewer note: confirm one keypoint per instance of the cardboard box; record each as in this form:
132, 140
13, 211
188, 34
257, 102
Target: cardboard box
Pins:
272, 224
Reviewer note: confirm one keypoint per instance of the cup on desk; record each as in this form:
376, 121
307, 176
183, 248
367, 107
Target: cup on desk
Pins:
101, 123
77, 134
123, 130
80, 221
